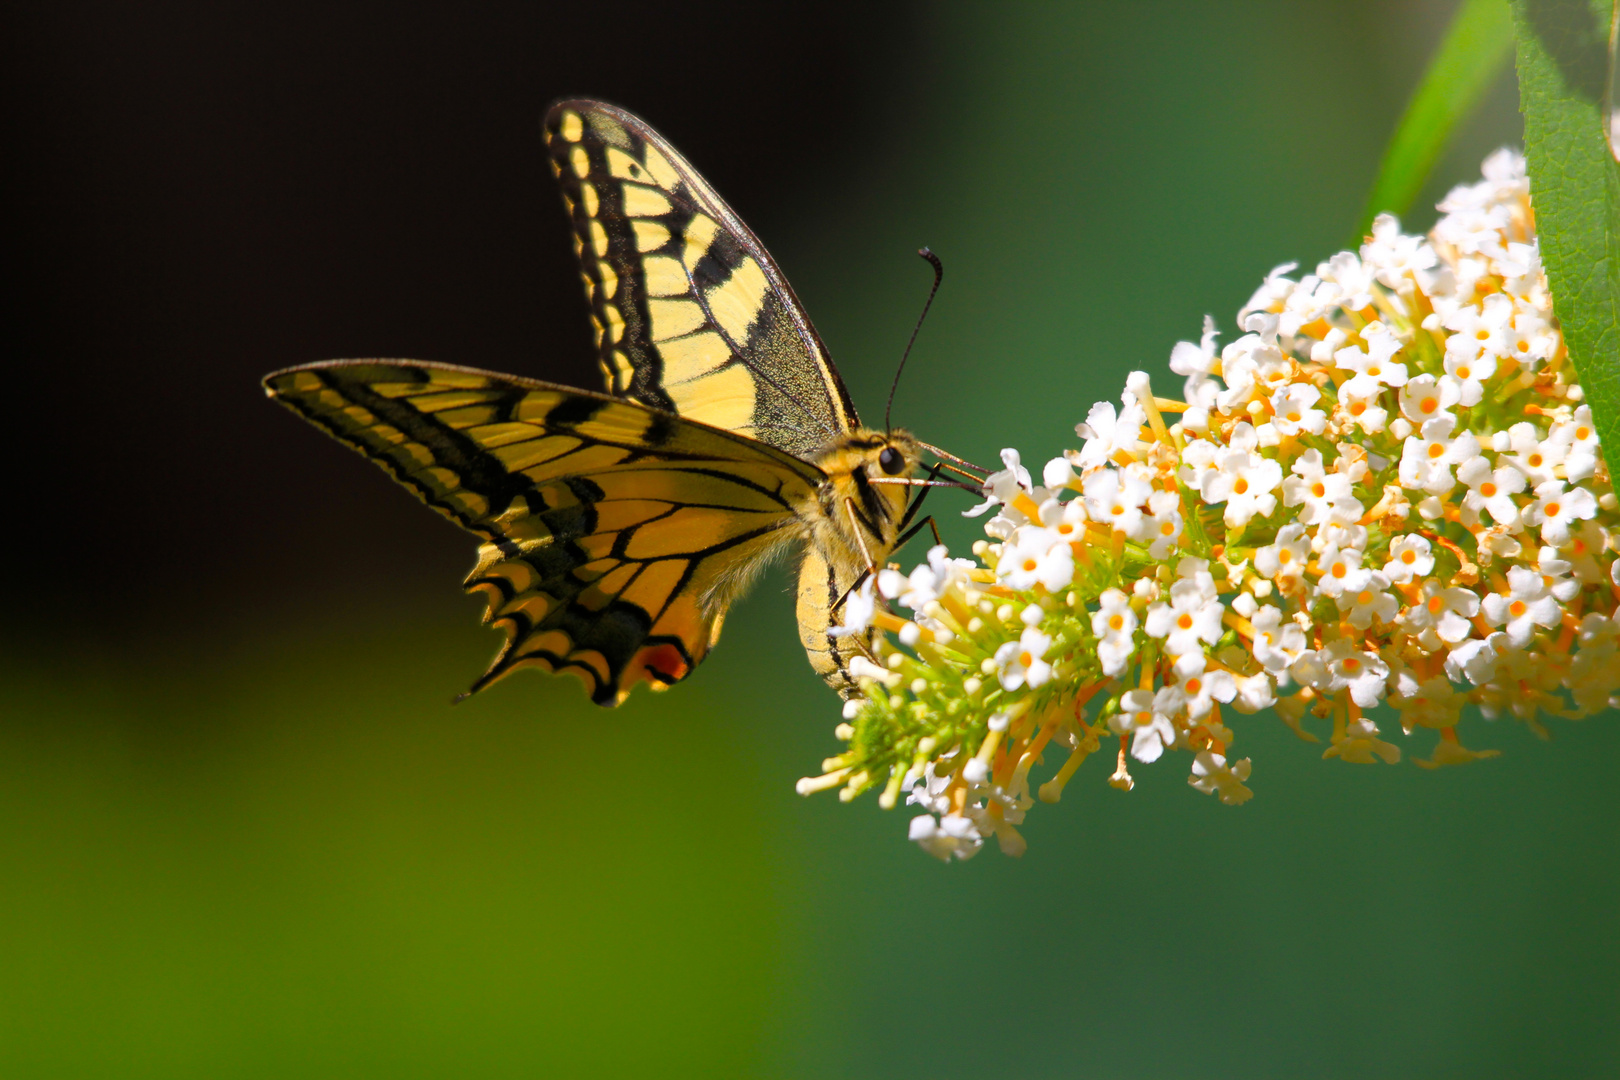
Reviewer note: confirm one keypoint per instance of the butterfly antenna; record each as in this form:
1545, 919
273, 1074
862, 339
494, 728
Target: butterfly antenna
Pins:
939, 275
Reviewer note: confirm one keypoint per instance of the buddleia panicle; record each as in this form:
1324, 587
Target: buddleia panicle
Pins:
1385, 490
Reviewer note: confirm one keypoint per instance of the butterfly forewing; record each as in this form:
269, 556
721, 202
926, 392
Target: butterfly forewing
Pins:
691, 314
615, 535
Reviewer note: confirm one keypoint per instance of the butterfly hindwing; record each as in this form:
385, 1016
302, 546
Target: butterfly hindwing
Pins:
615, 535
691, 314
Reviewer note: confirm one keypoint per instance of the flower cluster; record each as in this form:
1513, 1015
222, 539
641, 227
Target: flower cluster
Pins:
1386, 490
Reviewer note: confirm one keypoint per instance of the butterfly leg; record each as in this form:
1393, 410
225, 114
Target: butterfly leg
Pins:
860, 541
917, 528
916, 504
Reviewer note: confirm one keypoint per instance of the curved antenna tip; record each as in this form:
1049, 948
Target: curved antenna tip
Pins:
939, 275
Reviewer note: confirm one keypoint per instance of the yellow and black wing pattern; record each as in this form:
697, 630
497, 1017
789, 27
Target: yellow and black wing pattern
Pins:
691, 314
614, 534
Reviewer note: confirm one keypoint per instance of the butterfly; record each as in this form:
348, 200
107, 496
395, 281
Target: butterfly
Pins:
617, 528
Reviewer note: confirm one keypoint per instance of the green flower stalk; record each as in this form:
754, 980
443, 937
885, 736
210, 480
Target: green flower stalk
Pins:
1386, 490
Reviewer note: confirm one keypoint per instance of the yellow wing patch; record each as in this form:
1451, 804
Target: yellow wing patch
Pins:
682, 292
614, 535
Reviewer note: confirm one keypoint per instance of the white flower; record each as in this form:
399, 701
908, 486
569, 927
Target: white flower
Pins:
1325, 496
1003, 487
1395, 256
1294, 405
1531, 340
1036, 555
1580, 435
1254, 692
1426, 459
1341, 572
1194, 360
1108, 432
1164, 528
1145, 716
1340, 665
1479, 334
1250, 363
1361, 405
951, 836
1474, 660
1554, 573
1534, 456
859, 608
1276, 644
1022, 662
1212, 776
1470, 374
1527, 605
1426, 398
1244, 481
1409, 556
1372, 601
1556, 510
1114, 498
1273, 292
1491, 490
1286, 557
1202, 687
1189, 617
1114, 624
1374, 369
1445, 612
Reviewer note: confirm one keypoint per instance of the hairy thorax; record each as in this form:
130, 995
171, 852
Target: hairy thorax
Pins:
853, 525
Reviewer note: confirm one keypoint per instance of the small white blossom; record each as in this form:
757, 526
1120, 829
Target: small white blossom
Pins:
1409, 556
1425, 398
1491, 490
1114, 498
1212, 776
1004, 486
1022, 662
1114, 624
1191, 616
1557, 510
1108, 432
1325, 497
1526, 605
1145, 717
859, 608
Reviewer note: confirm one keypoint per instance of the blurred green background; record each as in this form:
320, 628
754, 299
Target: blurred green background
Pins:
243, 834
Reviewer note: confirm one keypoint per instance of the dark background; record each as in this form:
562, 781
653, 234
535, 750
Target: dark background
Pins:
243, 834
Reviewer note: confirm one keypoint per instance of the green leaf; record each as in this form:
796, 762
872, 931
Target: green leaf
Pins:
1474, 50
1563, 53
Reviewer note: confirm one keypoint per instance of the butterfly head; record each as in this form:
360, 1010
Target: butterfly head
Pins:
857, 458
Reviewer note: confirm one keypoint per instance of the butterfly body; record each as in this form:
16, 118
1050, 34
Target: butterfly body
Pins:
618, 527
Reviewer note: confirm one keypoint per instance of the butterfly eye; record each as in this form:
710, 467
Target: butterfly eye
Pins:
891, 461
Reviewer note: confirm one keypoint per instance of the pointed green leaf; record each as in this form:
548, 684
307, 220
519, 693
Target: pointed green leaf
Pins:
1563, 56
